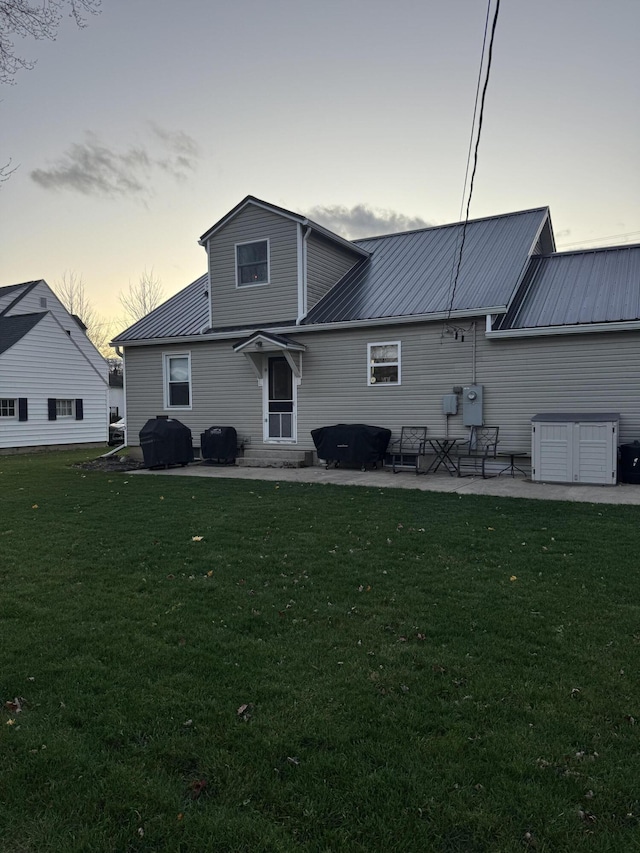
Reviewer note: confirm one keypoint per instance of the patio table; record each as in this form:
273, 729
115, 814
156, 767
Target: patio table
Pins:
443, 448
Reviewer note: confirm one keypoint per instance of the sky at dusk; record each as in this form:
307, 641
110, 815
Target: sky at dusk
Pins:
134, 135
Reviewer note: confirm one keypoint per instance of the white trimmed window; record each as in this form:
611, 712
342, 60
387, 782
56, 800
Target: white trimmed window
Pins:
384, 363
177, 380
7, 408
64, 408
252, 263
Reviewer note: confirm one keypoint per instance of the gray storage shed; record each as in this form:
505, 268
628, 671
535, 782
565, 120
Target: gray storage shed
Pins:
575, 447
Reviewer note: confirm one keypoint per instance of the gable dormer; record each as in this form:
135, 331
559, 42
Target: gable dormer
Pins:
269, 265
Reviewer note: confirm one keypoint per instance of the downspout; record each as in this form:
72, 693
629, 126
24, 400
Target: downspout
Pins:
303, 296
473, 355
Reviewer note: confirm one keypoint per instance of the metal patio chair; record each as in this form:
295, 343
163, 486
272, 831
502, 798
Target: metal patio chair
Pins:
473, 454
406, 451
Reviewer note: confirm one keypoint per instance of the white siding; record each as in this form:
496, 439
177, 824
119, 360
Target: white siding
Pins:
31, 304
276, 301
44, 364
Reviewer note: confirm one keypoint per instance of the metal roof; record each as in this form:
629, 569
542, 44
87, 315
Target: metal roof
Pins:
186, 313
413, 273
573, 288
13, 329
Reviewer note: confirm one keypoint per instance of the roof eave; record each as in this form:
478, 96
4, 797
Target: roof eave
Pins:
573, 329
374, 322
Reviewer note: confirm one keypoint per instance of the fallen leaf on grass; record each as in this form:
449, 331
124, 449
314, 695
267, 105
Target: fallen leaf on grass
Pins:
35, 506
197, 787
197, 538
513, 578
244, 712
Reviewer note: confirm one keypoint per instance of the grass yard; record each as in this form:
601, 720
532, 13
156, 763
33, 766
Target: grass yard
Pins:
199, 665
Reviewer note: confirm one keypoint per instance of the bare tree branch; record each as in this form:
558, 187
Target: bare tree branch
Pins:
70, 291
141, 298
38, 20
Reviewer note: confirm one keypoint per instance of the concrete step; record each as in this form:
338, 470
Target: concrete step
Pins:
276, 457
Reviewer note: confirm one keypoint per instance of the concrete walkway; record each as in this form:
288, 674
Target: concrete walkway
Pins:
503, 486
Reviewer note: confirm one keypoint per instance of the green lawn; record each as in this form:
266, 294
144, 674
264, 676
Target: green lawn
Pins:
217, 665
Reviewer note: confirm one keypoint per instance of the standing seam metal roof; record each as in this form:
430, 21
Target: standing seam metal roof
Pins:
413, 273
186, 313
586, 286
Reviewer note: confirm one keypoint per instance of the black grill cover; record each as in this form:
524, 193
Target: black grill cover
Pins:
165, 441
355, 444
219, 443
630, 462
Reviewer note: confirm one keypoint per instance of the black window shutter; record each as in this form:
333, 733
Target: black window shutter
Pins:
79, 410
51, 402
22, 409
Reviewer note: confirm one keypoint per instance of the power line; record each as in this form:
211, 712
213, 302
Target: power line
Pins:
475, 156
599, 239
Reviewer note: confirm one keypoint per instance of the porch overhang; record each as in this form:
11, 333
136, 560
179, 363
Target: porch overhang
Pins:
261, 343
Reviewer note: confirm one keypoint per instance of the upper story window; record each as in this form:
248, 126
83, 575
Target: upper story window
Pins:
177, 381
7, 408
252, 263
384, 363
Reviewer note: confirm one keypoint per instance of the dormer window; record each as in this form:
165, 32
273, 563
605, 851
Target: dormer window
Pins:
252, 263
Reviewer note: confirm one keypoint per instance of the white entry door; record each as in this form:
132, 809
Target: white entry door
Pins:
279, 401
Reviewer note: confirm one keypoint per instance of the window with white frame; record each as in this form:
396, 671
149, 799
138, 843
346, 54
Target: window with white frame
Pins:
64, 408
7, 408
384, 363
252, 263
177, 381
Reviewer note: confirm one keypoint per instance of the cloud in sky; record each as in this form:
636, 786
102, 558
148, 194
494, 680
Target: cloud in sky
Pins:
364, 221
95, 168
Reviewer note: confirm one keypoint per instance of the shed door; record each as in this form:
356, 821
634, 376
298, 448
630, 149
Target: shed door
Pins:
552, 452
594, 449
280, 409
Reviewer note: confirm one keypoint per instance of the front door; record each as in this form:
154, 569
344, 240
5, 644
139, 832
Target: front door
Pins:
280, 406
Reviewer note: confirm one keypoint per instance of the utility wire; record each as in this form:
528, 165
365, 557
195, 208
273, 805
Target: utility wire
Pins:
598, 239
475, 156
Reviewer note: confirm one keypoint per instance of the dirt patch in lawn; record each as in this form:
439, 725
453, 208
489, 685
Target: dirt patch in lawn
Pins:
111, 463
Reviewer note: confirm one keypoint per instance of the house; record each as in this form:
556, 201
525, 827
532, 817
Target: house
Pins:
293, 327
53, 381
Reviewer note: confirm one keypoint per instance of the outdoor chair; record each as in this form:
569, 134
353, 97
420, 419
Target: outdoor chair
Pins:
406, 451
473, 454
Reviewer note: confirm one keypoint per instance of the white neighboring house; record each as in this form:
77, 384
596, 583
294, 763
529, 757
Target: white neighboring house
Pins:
54, 386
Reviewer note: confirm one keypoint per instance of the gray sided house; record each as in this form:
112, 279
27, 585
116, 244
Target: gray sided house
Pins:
294, 327
53, 381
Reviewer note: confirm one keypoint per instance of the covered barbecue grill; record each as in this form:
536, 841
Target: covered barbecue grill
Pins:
164, 442
352, 444
219, 444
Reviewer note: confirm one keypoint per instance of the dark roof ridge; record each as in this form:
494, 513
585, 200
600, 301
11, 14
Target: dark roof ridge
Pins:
452, 224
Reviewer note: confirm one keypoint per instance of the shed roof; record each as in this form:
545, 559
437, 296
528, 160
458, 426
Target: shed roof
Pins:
413, 273
575, 288
13, 329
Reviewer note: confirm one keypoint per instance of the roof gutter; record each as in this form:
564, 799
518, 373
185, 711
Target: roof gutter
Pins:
320, 327
576, 329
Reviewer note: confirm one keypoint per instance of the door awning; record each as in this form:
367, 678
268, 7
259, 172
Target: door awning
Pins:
260, 343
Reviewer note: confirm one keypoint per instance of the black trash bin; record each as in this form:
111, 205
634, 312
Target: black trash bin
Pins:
219, 444
164, 442
630, 462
